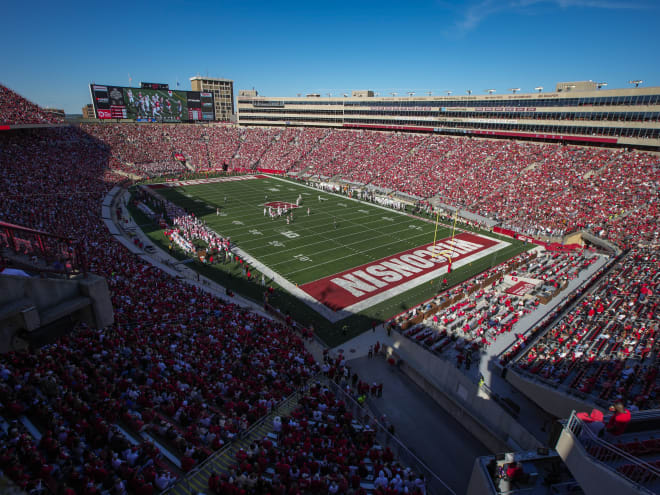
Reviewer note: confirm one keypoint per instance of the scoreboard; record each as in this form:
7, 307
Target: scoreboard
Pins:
148, 85
151, 104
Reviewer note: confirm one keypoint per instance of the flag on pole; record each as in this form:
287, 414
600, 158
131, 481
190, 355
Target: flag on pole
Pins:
130, 79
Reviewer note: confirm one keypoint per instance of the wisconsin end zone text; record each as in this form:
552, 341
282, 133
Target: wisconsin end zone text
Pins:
365, 285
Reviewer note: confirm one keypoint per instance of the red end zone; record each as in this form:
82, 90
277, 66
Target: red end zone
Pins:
357, 284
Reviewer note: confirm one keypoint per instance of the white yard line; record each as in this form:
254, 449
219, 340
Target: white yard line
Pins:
327, 313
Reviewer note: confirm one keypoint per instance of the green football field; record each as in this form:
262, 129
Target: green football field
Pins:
338, 234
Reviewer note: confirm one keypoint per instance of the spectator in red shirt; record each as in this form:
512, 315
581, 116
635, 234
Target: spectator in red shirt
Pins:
619, 421
514, 471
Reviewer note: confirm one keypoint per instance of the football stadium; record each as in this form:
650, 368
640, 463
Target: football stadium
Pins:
360, 293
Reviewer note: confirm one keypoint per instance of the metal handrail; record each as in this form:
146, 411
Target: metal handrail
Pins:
581, 433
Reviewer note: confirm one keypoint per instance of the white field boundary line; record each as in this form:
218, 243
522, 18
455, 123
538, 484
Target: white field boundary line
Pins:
293, 227
327, 313
345, 217
199, 182
339, 258
347, 246
307, 266
324, 239
340, 196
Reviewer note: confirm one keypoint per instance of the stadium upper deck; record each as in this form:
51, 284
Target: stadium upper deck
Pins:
629, 117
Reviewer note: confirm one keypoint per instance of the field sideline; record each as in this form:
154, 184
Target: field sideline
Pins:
338, 235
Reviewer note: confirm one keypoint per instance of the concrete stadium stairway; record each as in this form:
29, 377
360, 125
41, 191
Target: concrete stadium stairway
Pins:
220, 462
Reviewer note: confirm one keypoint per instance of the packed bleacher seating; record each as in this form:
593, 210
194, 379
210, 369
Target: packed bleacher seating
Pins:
158, 381
472, 315
534, 189
14, 110
290, 146
253, 144
320, 448
223, 143
79, 418
607, 345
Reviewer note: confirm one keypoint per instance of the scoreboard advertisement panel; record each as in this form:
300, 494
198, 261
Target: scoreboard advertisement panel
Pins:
151, 105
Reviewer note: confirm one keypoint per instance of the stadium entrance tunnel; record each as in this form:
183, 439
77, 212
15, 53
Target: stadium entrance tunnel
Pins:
35, 311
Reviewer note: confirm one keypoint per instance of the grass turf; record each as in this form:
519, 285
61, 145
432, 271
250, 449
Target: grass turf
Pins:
339, 234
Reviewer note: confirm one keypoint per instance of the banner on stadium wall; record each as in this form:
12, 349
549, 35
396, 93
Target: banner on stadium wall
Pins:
526, 238
554, 246
270, 171
520, 237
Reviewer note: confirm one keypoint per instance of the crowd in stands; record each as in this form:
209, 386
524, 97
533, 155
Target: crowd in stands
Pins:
290, 146
149, 375
83, 415
471, 316
534, 189
607, 346
322, 448
15, 110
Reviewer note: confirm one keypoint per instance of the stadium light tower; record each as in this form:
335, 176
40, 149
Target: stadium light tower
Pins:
469, 92
601, 85
636, 82
489, 91
329, 95
411, 93
430, 93
299, 95
538, 88
345, 95
514, 90
449, 92
394, 94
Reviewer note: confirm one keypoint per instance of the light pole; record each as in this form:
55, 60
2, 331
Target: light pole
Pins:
636, 82
538, 88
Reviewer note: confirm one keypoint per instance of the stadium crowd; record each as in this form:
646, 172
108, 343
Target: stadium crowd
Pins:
78, 418
471, 316
607, 346
16, 110
534, 189
320, 448
158, 379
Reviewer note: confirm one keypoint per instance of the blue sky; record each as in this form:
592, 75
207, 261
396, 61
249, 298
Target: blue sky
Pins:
53, 50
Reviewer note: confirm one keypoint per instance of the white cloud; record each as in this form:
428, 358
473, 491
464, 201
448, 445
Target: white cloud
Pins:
474, 14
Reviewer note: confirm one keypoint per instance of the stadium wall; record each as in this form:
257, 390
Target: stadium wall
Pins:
462, 398
549, 399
